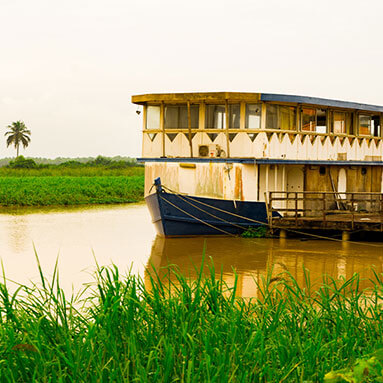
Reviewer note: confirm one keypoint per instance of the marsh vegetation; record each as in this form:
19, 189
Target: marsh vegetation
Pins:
170, 328
99, 181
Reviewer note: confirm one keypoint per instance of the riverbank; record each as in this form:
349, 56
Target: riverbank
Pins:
100, 181
129, 329
70, 190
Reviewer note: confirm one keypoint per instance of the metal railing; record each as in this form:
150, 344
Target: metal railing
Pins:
342, 206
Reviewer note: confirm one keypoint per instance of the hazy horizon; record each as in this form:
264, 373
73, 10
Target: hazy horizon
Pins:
68, 70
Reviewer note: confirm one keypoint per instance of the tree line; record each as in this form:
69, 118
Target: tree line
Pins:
19, 135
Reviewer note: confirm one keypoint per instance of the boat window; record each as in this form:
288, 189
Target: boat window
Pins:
314, 120
321, 121
280, 117
215, 117
369, 125
308, 120
375, 126
339, 123
271, 117
176, 116
287, 117
153, 117
234, 114
253, 116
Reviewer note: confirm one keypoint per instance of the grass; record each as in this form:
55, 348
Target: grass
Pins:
172, 329
83, 171
70, 190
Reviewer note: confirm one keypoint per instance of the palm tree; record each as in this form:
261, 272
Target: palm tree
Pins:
18, 134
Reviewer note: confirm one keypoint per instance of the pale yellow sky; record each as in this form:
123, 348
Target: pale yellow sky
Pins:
68, 68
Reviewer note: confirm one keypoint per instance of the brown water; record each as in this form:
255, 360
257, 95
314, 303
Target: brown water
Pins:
250, 259
124, 235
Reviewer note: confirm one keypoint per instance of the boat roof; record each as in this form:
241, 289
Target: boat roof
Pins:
251, 97
320, 101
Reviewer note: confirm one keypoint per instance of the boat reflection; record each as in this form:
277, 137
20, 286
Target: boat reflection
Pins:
250, 259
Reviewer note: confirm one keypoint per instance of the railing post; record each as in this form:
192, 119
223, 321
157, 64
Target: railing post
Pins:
353, 211
296, 209
324, 208
268, 209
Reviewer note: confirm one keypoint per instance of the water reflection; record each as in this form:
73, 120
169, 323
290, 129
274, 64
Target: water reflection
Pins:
124, 235
120, 234
251, 258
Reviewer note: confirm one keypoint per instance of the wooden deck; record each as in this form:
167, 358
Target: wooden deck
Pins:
326, 211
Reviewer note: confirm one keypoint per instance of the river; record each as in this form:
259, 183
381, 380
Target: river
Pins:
123, 235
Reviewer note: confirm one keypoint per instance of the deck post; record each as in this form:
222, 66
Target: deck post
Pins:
345, 235
162, 127
189, 130
282, 234
296, 209
227, 122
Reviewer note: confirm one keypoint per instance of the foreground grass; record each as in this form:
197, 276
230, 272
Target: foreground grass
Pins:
65, 190
188, 331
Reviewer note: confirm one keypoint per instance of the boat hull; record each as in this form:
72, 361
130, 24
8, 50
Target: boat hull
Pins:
179, 215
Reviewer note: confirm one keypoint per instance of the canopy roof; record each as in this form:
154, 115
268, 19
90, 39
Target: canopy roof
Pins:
250, 97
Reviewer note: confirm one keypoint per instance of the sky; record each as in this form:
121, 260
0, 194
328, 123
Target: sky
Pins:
68, 68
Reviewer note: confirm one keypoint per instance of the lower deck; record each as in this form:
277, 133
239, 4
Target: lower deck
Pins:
335, 196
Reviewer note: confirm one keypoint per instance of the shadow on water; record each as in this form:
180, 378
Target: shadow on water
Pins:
250, 259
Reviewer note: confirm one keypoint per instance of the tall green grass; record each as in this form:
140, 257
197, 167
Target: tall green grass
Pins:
83, 171
65, 190
171, 329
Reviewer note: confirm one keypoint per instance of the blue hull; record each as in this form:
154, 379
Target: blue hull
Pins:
179, 215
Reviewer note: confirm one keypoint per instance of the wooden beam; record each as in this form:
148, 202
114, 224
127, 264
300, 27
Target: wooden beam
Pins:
190, 133
227, 120
162, 127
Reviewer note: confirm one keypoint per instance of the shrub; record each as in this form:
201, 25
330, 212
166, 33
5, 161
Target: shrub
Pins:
22, 163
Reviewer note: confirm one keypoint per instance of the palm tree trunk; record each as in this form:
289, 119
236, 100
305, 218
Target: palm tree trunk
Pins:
17, 147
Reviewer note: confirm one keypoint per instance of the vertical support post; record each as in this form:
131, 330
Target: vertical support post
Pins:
242, 114
324, 208
276, 180
345, 236
296, 209
162, 127
189, 131
269, 210
256, 166
227, 120
144, 117
267, 179
284, 188
352, 211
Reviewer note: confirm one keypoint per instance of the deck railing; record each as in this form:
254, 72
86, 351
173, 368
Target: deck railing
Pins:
324, 206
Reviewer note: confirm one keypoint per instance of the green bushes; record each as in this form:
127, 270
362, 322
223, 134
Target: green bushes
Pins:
22, 163
173, 329
65, 190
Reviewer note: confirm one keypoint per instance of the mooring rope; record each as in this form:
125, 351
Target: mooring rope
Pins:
206, 212
198, 219
252, 220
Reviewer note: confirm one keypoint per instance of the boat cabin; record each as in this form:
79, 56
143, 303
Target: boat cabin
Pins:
244, 146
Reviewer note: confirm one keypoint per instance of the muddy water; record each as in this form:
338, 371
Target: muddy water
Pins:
124, 235
250, 259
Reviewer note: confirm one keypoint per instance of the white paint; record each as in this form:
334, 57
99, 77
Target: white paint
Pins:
262, 147
342, 183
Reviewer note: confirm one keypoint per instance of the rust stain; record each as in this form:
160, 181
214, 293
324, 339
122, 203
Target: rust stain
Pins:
238, 189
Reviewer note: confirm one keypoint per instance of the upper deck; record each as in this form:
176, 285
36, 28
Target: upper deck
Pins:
259, 126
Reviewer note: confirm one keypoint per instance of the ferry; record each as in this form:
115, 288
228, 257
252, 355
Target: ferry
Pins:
220, 163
